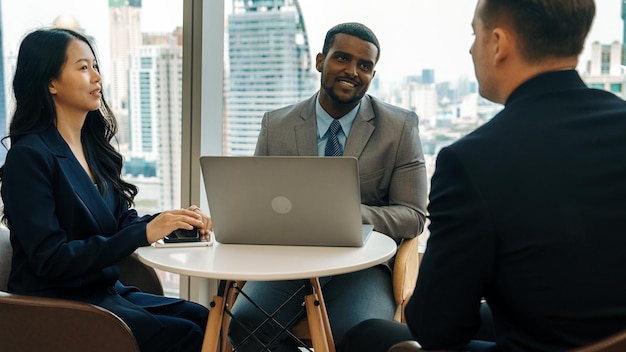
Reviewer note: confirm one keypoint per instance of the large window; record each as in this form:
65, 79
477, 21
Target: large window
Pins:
139, 45
425, 63
192, 77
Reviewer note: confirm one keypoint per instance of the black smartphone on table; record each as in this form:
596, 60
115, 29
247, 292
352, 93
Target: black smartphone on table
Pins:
182, 235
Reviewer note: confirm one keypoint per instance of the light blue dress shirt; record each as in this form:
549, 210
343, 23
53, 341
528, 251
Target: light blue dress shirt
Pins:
323, 122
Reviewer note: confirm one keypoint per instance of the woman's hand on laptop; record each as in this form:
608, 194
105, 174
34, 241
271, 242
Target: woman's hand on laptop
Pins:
208, 224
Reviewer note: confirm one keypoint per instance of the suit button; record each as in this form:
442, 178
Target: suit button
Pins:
111, 290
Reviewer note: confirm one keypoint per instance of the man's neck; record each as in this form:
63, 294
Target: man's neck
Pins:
334, 109
522, 73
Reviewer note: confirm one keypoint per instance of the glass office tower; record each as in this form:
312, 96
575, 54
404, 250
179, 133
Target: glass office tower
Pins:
155, 82
125, 29
269, 67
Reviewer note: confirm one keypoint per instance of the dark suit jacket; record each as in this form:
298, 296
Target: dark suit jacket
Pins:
66, 236
529, 211
385, 139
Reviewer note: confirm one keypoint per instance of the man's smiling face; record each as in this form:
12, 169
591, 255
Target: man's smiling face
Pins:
347, 71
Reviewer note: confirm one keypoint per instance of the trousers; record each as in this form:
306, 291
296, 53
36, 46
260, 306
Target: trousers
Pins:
378, 335
182, 328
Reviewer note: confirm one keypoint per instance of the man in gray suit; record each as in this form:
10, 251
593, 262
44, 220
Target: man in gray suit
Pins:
385, 139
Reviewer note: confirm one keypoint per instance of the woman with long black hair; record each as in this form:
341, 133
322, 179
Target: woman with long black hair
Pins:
69, 210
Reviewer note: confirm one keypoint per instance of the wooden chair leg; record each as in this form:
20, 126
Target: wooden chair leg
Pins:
214, 325
231, 296
318, 320
329, 334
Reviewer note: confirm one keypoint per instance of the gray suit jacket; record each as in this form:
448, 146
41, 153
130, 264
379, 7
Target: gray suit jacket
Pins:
385, 139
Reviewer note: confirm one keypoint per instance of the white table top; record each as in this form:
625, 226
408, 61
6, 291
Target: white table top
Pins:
266, 262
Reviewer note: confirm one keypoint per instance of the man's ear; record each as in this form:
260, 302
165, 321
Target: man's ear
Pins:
502, 42
319, 62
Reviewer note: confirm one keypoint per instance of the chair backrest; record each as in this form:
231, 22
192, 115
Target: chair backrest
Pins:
135, 273
6, 252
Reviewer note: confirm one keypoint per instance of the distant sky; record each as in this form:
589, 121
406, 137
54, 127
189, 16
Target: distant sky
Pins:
414, 34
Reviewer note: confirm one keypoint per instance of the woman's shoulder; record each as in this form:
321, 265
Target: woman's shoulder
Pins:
28, 147
48, 141
29, 142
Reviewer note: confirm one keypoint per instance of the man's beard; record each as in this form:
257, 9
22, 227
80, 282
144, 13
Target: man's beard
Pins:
331, 93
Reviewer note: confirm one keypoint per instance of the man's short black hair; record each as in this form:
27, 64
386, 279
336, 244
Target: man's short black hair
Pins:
356, 29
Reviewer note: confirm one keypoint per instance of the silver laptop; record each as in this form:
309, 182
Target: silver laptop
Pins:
281, 200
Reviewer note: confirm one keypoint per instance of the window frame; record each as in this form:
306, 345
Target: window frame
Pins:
202, 112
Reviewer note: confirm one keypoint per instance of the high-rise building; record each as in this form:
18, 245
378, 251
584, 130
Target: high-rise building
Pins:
3, 105
419, 94
604, 70
125, 28
269, 67
155, 114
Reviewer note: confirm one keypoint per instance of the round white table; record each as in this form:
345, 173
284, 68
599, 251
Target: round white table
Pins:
268, 262
232, 262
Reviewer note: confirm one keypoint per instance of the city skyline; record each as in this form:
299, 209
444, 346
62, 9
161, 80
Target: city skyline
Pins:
424, 34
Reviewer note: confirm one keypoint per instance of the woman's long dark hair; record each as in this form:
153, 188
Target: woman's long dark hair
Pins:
40, 59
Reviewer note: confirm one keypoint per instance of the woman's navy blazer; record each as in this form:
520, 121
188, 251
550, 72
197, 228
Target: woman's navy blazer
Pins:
67, 237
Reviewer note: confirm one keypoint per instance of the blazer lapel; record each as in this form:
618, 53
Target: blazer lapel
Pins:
306, 142
362, 129
85, 190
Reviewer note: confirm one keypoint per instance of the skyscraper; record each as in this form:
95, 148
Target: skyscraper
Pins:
604, 70
155, 113
125, 28
269, 67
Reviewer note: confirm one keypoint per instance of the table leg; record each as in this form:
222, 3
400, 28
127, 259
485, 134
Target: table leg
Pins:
319, 326
321, 335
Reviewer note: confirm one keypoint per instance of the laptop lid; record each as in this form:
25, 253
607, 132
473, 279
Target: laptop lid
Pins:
285, 200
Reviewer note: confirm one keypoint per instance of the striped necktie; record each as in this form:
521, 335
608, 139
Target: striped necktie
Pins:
333, 147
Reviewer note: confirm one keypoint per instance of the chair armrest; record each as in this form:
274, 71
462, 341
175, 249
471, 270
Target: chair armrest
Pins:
29, 323
405, 270
411, 346
405, 346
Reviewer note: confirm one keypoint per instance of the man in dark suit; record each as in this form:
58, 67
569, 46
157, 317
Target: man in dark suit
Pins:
529, 210
392, 174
